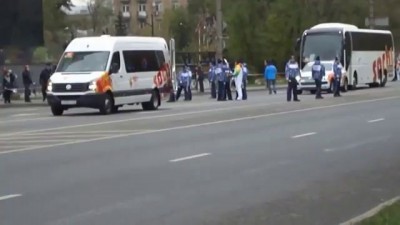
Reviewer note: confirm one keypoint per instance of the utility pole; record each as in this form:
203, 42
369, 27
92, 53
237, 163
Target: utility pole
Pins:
371, 14
219, 30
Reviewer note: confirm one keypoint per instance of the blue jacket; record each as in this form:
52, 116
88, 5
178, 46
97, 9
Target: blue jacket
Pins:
318, 70
292, 70
220, 73
245, 72
270, 72
227, 71
337, 70
184, 78
211, 74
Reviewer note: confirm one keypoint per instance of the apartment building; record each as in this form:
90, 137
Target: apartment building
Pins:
138, 13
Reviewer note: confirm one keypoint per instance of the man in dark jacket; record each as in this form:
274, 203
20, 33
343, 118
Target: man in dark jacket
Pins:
44, 79
27, 80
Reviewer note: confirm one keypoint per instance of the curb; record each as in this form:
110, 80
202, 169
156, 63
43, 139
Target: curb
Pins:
371, 212
40, 104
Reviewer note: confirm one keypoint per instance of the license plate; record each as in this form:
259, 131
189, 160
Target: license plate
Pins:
68, 102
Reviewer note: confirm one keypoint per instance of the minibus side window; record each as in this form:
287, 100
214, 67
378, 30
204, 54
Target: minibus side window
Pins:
116, 59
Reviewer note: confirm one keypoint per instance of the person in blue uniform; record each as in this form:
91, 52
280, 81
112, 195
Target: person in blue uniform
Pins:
184, 84
221, 77
337, 71
244, 84
212, 78
318, 72
291, 71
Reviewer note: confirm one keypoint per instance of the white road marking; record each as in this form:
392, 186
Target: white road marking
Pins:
371, 212
134, 119
24, 114
190, 157
360, 143
376, 120
25, 120
9, 196
187, 126
304, 135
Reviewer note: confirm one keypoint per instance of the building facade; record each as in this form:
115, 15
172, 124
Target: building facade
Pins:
138, 13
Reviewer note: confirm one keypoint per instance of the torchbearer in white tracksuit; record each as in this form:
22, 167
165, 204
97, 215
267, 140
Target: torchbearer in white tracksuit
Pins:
238, 76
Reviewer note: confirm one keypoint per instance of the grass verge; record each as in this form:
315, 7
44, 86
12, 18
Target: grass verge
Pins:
388, 216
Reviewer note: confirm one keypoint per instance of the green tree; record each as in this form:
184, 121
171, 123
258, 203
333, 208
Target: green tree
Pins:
99, 15
120, 25
181, 28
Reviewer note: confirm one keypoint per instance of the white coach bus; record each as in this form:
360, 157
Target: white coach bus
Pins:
367, 55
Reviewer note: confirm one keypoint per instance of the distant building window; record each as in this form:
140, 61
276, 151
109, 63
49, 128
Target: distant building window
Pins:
175, 5
142, 7
125, 8
159, 7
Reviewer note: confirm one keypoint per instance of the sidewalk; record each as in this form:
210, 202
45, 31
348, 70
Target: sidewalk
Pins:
37, 100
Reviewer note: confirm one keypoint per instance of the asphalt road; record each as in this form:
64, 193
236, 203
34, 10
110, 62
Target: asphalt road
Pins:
261, 161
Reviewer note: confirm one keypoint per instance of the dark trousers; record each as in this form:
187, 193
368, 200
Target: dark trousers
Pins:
221, 91
187, 93
44, 93
228, 92
201, 85
213, 89
7, 96
271, 85
292, 88
318, 84
336, 87
244, 90
27, 93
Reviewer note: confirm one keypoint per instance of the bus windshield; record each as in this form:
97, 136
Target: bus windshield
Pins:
325, 45
83, 62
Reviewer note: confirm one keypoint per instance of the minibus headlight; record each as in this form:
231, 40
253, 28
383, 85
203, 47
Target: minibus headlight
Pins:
50, 86
93, 86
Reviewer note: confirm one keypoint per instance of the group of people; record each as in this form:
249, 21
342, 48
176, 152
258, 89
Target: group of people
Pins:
292, 70
220, 76
10, 84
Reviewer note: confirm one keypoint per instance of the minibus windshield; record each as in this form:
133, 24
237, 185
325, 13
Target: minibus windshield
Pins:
83, 62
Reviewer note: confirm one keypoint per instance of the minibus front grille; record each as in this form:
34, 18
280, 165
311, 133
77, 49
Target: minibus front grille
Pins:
82, 87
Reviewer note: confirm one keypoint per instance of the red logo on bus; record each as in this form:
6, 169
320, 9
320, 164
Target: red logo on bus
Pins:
382, 63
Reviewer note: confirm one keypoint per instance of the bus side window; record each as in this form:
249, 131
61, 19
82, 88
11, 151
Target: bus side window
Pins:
348, 48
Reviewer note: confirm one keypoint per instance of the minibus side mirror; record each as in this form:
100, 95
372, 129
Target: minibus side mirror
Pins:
114, 68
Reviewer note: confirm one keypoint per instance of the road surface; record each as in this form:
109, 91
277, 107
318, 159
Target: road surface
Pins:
261, 161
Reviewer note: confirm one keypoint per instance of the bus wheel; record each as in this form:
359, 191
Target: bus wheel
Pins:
108, 105
154, 102
345, 87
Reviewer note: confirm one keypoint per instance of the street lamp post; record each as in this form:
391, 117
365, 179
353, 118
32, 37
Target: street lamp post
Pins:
152, 18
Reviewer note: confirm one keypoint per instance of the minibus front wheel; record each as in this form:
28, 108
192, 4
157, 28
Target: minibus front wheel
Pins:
107, 105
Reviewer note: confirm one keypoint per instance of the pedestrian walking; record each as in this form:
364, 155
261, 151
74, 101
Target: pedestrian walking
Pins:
244, 83
212, 79
291, 71
184, 84
270, 77
238, 76
318, 72
8, 86
44, 79
27, 81
337, 71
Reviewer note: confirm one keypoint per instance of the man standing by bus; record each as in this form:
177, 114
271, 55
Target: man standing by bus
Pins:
291, 71
318, 72
212, 80
337, 71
